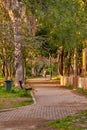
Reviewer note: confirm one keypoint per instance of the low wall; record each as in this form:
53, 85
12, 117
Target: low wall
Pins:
80, 82
66, 80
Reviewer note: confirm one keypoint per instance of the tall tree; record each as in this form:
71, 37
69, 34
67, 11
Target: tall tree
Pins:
16, 13
6, 37
67, 24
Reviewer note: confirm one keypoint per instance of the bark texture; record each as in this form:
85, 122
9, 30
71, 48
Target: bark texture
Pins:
16, 13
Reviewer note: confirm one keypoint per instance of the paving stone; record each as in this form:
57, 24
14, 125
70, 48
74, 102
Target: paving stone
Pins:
51, 103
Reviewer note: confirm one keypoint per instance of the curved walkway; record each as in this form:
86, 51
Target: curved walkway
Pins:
51, 103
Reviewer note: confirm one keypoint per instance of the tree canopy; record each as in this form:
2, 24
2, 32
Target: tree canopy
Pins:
41, 27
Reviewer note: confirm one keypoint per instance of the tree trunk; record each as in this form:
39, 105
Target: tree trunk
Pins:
58, 64
5, 64
62, 62
14, 10
75, 62
18, 65
75, 78
84, 62
50, 62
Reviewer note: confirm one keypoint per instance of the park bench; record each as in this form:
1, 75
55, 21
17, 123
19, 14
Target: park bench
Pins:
24, 87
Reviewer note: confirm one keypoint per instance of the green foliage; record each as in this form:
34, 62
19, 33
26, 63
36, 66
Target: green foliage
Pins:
6, 38
35, 6
23, 103
82, 91
59, 24
45, 46
70, 87
14, 98
65, 21
15, 92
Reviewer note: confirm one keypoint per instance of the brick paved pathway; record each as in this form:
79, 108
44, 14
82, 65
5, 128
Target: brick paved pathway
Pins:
51, 103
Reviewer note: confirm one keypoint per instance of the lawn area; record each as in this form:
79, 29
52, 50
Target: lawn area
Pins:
78, 122
14, 98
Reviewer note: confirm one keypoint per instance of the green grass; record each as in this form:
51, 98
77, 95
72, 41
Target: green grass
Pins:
14, 92
15, 98
78, 122
82, 91
79, 90
23, 103
69, 87
56, 77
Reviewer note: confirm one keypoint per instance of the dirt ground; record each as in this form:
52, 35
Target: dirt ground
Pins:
30, 124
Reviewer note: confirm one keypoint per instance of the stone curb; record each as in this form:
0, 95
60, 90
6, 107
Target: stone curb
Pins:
32, 94
10, 109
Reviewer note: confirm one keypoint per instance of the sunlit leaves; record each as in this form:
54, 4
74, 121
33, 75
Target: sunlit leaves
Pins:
66, 21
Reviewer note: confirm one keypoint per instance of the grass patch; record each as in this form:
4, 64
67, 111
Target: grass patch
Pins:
22, 103
15, 98
56, 78
78, 122
82, 91
69, 87
15, 92
79, 90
